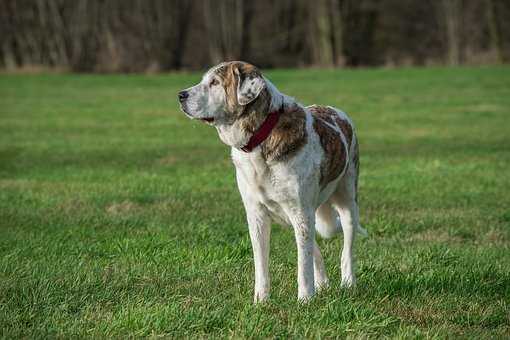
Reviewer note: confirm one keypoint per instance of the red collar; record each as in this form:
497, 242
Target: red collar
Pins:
263, 131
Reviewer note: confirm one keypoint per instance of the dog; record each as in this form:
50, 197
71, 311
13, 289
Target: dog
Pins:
295, 165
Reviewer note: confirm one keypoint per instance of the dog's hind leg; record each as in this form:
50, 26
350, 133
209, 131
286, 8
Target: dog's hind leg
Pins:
320, 276
344, 201
327, 224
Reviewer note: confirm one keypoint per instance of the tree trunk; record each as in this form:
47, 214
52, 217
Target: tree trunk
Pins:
319, 33
182, 28
452, 16
248, 10
494, 32
336, 29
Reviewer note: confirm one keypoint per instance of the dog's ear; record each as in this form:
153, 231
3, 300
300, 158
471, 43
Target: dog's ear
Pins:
249, 83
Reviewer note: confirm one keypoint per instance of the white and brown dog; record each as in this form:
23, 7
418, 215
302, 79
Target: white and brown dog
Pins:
295, 165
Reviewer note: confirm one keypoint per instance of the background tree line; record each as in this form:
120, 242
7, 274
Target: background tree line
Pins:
161, 35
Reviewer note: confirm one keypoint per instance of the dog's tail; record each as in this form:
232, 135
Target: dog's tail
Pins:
327, 222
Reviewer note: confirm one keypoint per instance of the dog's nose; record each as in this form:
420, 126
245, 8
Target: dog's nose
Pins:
183, 95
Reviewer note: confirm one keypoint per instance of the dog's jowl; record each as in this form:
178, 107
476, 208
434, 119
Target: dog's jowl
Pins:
295, 165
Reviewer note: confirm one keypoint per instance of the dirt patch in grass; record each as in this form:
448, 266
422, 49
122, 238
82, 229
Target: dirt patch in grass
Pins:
491, 236
169, 160
496, 237
435, 235
73, 206
123, 208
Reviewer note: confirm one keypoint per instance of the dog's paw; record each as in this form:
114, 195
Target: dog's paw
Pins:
305, 299
348, 281
261, 297
321, 285
304, 296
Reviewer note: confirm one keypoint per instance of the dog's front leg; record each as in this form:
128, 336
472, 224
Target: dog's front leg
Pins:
304, 231
260, 230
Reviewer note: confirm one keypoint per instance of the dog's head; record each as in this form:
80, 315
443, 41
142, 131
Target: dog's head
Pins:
223, 93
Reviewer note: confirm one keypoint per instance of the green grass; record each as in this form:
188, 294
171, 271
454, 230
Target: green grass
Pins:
120, 217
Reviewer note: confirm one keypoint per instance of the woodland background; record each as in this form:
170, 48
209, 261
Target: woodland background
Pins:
164, 35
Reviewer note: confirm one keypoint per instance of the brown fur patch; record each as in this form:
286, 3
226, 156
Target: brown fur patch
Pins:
255, 112
346, 128
229, 81
335, 153
288, 136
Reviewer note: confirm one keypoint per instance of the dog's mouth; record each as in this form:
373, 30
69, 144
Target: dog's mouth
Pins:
184, 109
209, 120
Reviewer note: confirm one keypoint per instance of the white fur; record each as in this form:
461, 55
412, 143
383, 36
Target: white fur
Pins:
287, 192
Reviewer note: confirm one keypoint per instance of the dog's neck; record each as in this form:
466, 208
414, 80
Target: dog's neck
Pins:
238, 133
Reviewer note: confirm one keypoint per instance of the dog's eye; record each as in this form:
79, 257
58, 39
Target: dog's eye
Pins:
214, 82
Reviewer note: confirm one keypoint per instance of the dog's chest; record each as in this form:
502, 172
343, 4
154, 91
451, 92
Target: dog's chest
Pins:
265, 185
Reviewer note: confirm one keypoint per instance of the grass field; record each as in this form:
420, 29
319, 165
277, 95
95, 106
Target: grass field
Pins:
120, 217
